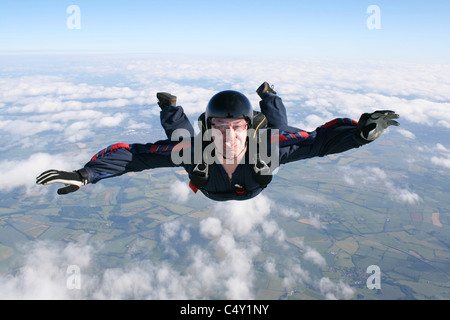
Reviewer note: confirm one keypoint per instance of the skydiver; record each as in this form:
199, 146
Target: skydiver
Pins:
237, 171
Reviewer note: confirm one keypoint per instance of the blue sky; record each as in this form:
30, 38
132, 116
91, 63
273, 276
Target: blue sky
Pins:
411, 30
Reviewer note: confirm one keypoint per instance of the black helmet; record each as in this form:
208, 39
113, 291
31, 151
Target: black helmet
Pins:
229, 104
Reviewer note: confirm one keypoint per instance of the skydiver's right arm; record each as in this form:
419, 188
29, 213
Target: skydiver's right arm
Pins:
116, 160
122, 158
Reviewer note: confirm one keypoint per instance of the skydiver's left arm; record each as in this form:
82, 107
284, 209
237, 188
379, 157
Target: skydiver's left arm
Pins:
336, 136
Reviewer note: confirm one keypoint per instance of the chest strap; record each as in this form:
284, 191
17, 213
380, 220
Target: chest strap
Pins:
200, 176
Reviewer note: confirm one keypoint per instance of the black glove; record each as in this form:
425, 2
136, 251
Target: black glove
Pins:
372, 125
73, 180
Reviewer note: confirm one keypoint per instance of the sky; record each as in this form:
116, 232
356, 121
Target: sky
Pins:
403, 30
52, 109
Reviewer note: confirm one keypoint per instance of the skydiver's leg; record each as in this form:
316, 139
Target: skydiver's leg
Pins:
273, 108
172, 116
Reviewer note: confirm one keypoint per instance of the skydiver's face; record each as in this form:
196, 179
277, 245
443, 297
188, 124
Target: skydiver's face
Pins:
230, 136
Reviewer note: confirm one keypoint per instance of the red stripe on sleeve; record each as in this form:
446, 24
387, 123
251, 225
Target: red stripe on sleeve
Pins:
110, 149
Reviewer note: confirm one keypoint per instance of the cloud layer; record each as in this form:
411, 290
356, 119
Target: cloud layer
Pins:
70, 103
373, 177
224, 267
49, 117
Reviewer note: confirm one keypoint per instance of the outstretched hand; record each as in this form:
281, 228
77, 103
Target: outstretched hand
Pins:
72, 180
372, 125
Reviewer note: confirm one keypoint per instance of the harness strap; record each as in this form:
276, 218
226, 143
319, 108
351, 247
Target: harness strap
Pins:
261, 171
200, 175
193, 188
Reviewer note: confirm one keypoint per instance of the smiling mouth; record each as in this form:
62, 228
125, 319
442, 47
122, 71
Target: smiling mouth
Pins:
230, 146
229, 153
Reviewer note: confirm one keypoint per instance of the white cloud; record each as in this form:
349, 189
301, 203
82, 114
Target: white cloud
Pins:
144, 281
373, 177
26, 128
315, 257
174, 231
441, 161
270, 266
211, 228
406, 133
314, 220
222, 268
180, 191
333, 291
43, 274
295, 275
271, 229
243, 217
318, 88
311, 122
112, 121
39, 103
314, 92
444, 159
440, 147
288, 212
57, 88
22, 173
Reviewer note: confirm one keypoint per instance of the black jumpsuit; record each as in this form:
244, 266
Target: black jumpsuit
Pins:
294, 144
